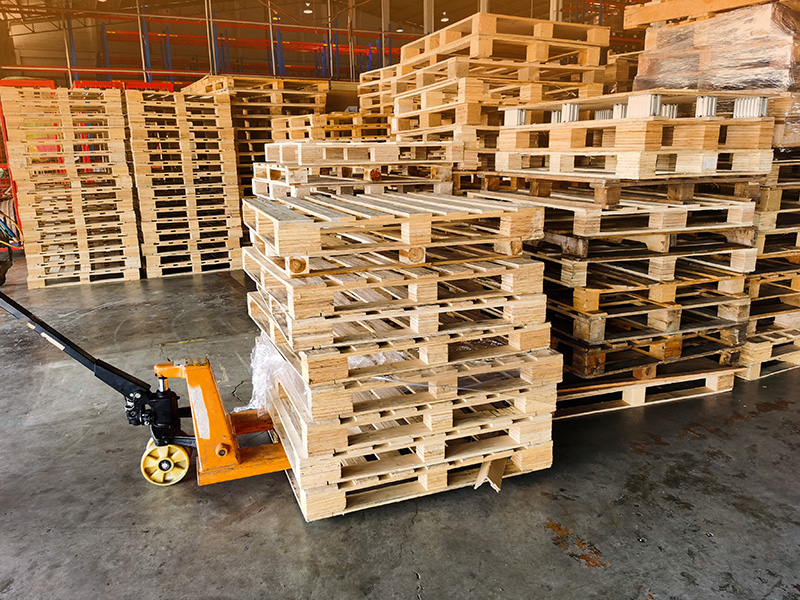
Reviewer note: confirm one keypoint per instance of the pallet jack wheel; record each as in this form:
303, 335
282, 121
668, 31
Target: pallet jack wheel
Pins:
164, 465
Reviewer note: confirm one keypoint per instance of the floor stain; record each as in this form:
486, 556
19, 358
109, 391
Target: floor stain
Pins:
641, 447
695, 430
761, 408
584, 552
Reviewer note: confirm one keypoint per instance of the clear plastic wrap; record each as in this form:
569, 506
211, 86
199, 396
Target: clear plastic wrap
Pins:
748, 48
269, 369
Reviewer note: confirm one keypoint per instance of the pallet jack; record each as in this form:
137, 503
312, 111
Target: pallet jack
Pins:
166, 460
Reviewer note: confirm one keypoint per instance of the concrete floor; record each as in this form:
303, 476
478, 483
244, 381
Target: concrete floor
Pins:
696, 499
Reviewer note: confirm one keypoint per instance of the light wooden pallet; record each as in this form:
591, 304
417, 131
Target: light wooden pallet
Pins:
277, 180
472, 304
438, 281
361, 154
640, 135
460, 91
674, 382
331, 126
479, 142
309, 234
772, 351
489, 35
544, 82
419, 481
649, 217
606, 191
643, 15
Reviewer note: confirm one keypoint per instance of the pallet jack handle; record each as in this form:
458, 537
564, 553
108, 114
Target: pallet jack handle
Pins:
166, 458
125, 383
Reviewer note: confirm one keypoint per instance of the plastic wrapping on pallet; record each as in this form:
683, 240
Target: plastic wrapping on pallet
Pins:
748, 48
270, 369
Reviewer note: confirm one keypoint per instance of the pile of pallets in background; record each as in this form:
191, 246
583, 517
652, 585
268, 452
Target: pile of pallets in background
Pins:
254, 102
336, 126
299, 168
183, 157
744, 45
649, 235
450, 85
67, 157
408, 351
773, 343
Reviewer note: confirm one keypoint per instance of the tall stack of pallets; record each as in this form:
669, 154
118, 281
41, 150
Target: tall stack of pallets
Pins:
645, 271
405, 349
451, 84
182, 152
254, 102
67, 157
773, 343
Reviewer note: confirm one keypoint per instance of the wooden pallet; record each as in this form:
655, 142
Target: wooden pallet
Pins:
331, 126
471, 92
544, 82
634, 262
643, 15
639, 135
318, 154
628, 317
642, 356
673, 382
774, 350
417, 168
448, 270
309, 235
486, 35
650, 217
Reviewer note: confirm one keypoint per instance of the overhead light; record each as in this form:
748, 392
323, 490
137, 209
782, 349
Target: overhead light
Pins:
308, 10
444, 18
400, 30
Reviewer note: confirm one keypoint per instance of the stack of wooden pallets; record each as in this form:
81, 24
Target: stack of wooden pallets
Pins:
375, 91
773, 343
640, 135
182, 151
451, 84
406, 350
649, 236
336, 126
254, 102
67, 157
299, 168
644, 291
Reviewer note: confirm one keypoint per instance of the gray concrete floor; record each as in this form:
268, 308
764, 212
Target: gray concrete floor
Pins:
694, 499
